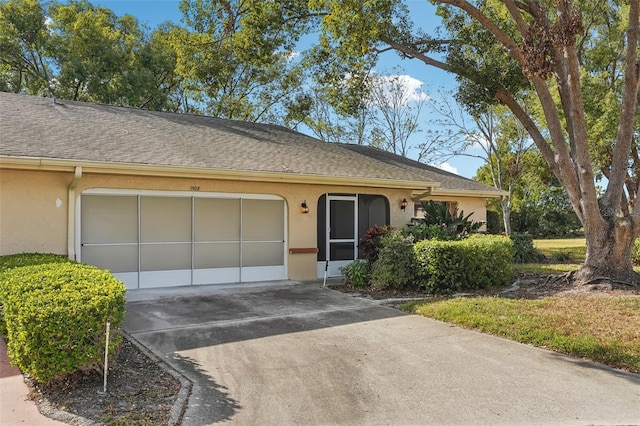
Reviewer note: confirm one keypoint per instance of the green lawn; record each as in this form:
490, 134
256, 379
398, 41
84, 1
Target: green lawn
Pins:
602, 329
563, 250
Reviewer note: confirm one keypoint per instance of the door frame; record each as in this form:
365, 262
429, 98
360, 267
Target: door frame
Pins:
334, 266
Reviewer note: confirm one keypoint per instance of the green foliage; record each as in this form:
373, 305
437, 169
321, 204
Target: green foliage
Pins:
27, 259
23, 259
396, 265
524, 251
357, 273
456, 223
371, 243
422, 231
55, 315
478, 262
77, 51
494, 222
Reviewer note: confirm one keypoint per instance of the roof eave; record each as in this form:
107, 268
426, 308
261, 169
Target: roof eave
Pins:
470, 193
97, 167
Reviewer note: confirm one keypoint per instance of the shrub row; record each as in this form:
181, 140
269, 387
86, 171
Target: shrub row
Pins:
436, 266
55, 315
477, 262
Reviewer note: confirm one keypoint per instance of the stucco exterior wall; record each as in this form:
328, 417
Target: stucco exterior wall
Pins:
33, 211
33, 208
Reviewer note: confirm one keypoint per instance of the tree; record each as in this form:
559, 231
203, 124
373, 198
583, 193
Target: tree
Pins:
80, 52
492, 135
238, 59
24, 58
396, 107
502, 50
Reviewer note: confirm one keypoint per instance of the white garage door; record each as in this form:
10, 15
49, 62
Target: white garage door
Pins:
157, 240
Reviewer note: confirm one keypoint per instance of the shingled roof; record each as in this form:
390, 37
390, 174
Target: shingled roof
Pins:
47, 129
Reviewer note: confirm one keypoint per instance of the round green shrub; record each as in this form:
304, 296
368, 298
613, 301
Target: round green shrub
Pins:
56, 314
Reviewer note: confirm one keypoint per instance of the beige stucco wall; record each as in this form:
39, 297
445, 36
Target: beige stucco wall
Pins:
34, 215
33, 211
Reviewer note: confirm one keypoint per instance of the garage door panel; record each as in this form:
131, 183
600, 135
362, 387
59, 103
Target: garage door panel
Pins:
216, 219
262, 254
262, 220
109, 219
217, 255
165, 219
116, 258
263, 273
163, 257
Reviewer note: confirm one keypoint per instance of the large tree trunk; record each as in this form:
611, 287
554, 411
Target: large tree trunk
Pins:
608, 260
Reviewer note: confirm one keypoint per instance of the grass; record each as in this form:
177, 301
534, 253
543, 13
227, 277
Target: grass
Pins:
569, 250
545, 268
602, 329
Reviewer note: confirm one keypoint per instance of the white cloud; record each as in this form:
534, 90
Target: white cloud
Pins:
447, 168
409, 87
292, 56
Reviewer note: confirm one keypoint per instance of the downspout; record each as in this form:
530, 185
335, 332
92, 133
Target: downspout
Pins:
71, 214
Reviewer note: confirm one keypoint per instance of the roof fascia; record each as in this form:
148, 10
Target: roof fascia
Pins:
467, 193
88, 167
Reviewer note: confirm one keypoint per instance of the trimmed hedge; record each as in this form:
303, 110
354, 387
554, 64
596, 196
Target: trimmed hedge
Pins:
27, 259
478, 262
55, 315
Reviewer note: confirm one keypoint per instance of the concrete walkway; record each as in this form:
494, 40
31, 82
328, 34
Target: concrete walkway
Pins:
15, 406
301, 354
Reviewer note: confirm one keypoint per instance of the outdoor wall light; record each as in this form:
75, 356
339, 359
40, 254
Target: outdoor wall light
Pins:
403, 204
303, 207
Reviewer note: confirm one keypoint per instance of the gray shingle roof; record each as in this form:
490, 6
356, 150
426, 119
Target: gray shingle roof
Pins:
36, 127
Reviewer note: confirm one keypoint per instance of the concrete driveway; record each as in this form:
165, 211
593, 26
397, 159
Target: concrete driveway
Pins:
301, 354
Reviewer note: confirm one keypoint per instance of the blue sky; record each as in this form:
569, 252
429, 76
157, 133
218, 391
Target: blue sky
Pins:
153, 12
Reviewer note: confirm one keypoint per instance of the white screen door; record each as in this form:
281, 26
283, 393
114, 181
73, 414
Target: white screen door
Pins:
342, 235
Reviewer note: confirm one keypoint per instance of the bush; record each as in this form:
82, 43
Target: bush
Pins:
396, 265
356, 273
371, 244
457, 224
422, 231
478, 262
524, 251
27, 259
55, 316
23, 259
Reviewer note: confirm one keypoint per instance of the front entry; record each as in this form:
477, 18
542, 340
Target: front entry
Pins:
346, 219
